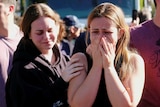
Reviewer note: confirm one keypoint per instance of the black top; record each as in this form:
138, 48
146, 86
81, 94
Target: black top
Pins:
80, 43
33, 81
102, 99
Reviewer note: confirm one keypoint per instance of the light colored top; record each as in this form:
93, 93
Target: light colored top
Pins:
7, 48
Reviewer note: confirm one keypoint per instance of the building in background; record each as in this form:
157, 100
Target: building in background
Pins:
81, 8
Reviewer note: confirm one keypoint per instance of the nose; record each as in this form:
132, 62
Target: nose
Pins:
47, 35
101, 35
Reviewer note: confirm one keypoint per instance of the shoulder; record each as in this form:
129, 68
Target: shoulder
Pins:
142, 26
82, 58
136, 61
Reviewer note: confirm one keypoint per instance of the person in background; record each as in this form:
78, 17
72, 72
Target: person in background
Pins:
144, 15
113, 74
73, 30
146, 39
40, 73
9, 37
135, 18
81, 43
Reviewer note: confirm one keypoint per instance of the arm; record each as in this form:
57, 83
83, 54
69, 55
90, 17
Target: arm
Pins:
83, 88
127, 91
130, 91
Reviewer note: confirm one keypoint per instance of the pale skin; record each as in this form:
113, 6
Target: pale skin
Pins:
74, 33
7, 28
83, 88
44, 34
157, 14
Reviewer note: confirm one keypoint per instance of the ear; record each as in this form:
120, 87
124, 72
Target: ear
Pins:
120, 33
72, 29
11, 8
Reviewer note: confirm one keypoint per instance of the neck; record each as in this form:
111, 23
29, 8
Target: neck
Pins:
8, 28
156, 18
50, 56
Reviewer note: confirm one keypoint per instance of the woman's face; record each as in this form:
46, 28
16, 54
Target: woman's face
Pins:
103, 28
44, 33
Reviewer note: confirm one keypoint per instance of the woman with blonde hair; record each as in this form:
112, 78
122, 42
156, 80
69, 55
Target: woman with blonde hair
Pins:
113, 74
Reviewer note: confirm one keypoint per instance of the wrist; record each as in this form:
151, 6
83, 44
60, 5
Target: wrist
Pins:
97, 68
109, 69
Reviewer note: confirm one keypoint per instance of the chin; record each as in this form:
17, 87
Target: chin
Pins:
49, 47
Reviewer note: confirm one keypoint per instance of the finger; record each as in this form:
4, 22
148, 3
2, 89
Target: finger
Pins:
72, 61
103, 43
74, 65
97, 40
74, 75
77, 69
77, 65
102, 50
73, 70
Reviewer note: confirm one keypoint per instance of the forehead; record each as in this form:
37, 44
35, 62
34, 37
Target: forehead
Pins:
102, 22
44, 21
3, 6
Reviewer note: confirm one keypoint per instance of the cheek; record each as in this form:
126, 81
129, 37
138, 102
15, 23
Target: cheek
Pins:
36, 40
95, 39
55, 35
34, 37
114, 38
92, 38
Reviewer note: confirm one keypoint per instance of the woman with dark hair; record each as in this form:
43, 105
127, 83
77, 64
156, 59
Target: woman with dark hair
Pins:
40, 73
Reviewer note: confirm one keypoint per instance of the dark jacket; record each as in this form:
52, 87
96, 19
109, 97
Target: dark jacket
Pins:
33, 81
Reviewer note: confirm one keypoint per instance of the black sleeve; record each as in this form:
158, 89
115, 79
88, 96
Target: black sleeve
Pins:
33, 88
80, 45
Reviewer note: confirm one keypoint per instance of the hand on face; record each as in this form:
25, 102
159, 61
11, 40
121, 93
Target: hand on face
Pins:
94, 51
72, 69
102, 51
107, 49
104, 36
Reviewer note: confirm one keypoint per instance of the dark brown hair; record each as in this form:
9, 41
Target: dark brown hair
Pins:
33, 12
155, 3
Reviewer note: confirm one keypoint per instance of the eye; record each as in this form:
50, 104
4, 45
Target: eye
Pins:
39, 32
107, 33
50, 30
94, 31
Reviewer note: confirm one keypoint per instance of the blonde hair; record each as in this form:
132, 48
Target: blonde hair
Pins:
115, 14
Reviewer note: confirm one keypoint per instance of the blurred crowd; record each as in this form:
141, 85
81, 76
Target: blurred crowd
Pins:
48, 60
